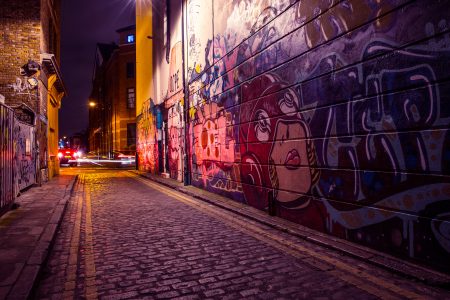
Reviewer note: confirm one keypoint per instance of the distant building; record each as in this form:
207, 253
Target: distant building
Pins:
97, 102
31, 83
78, 141
112, 125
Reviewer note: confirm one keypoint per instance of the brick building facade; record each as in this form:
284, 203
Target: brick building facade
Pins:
112, 126
30, 79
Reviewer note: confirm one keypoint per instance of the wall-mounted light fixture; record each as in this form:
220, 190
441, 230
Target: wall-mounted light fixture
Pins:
33, 82
30, 68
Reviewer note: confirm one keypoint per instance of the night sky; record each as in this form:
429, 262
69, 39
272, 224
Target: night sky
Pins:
83, 24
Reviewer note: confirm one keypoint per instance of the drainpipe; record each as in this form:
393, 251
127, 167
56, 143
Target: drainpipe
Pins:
187, 177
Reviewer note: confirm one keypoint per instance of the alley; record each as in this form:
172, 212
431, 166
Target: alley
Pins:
126, 237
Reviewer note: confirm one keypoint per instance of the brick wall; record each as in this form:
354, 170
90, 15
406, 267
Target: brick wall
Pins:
332, 114
116, 85
127, 54
20, 42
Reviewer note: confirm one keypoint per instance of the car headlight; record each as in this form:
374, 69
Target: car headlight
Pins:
60, 155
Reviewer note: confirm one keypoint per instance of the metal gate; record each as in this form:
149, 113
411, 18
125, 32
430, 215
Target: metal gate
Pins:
7, 194
25, 156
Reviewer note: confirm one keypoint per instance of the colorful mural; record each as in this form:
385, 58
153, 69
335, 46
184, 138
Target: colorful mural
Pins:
147, 138
24, 155
213, 150
174, 103
7, 163
331, 114
199, 32
175, 136
328, 113
160, 126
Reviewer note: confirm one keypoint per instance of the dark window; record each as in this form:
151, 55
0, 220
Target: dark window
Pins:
131, 134
130, 38
131, 98
130, 70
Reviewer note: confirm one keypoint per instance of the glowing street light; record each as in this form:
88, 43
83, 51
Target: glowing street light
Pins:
92, 104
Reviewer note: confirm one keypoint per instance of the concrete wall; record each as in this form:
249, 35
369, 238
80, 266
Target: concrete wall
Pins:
53, 105
51, 97
144, 54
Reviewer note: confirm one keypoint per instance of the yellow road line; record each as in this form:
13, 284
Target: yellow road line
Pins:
350, 274
91, 288
71, 271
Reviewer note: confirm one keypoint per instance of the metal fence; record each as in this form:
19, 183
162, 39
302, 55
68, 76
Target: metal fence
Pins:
7, 193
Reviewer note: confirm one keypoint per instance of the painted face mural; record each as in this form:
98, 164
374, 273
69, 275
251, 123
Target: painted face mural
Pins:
277, 156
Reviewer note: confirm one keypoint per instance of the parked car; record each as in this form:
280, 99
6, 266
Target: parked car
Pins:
68, 156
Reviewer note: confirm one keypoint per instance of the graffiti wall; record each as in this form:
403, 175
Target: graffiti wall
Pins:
174, 104
148, 133
161, 124
332, 114
7, 194
24, 155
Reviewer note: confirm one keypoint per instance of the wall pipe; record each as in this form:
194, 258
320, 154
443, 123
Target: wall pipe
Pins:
187, 177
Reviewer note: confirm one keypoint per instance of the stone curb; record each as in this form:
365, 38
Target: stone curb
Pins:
25, 283
377, 258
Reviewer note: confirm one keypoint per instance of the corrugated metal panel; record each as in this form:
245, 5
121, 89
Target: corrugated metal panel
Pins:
7, 194
24, 153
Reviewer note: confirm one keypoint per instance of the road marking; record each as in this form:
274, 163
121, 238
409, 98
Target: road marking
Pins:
72, 266
348, 273
91, 288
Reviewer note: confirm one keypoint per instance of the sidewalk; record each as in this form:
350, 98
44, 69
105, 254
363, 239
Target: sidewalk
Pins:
27, 232
379, 259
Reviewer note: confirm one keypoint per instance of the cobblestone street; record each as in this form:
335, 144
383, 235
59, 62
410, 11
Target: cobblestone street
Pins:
124, 237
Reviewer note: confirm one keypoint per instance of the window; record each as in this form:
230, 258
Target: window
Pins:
130, 70
130, 38
131, 134
131, 98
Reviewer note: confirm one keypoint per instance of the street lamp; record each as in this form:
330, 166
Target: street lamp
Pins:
92, 104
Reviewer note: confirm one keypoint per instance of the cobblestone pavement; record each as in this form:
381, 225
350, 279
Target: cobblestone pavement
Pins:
127, 237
